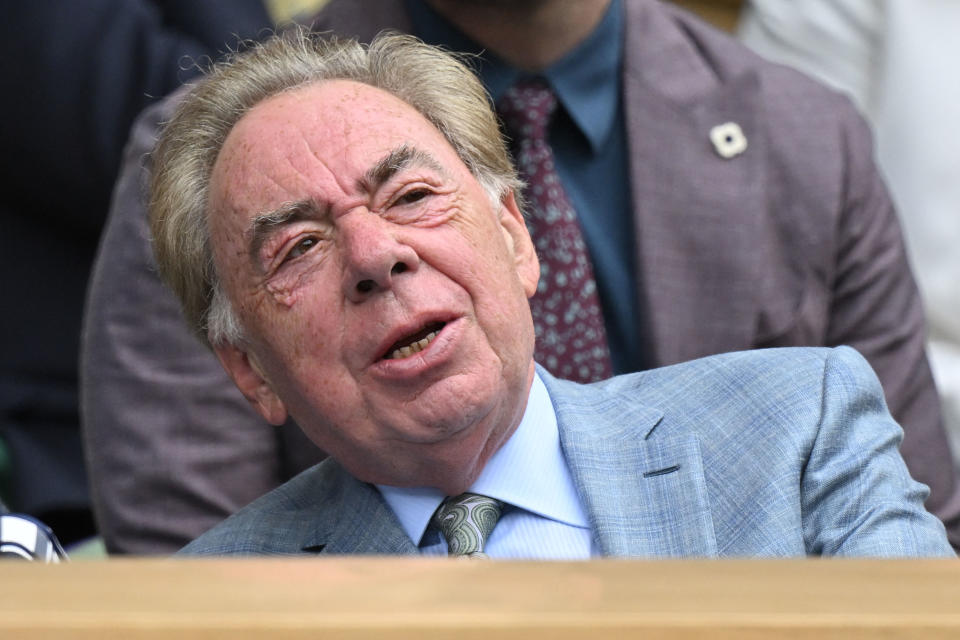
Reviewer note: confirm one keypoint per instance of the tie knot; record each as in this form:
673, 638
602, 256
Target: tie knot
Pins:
466, 521
526, 108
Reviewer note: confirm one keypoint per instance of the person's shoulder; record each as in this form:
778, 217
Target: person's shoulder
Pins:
804, 126
768, 373
780, 391
770, 404
770, 364
751, 369
789, 100
729, 58
277, 522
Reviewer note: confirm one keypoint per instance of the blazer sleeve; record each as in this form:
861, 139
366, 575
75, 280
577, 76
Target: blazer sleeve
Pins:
858, 498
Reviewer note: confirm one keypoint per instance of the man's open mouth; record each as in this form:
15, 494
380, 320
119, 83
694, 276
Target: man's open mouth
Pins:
415, 342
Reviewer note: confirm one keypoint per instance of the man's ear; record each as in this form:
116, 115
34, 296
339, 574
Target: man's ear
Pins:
249, 378
518, 239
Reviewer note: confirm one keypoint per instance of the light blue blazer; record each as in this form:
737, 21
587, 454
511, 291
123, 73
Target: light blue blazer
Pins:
780, 452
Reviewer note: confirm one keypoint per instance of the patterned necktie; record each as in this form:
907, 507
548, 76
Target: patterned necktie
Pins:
571, 337
466, 521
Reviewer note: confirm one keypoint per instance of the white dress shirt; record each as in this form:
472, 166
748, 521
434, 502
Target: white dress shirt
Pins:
543, 519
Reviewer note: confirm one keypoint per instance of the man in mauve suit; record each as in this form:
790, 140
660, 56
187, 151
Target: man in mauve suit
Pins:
362, 265
699, 248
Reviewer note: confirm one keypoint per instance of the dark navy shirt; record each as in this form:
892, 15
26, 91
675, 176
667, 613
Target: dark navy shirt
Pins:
588, 137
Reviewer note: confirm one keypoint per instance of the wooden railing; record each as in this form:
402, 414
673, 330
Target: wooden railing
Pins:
434, 598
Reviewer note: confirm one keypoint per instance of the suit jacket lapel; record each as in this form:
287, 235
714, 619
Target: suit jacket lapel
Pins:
354, 519
644, 491
699, 217
643, 487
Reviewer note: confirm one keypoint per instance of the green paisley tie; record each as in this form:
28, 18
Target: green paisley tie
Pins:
465, 522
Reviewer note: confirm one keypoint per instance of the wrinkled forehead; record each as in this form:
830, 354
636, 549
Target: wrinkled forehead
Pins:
315, 141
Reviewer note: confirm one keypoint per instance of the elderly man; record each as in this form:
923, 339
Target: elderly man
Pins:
342, 225
790, 242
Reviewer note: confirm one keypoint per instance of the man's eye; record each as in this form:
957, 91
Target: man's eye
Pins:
301, 248
413, 196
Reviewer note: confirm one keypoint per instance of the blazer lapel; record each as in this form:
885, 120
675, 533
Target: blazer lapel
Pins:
645, 495
356, 520
702, 232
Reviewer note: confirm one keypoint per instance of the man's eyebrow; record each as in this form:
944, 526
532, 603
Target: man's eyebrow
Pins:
264, 224
401, 158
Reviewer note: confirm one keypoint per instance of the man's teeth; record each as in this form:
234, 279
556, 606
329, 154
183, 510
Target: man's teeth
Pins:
415, 347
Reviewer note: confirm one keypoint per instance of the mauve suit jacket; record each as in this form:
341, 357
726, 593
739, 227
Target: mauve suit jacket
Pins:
793, 242
781, 452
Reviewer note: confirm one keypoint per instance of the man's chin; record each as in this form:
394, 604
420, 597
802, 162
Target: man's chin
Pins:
444, 407
434, 428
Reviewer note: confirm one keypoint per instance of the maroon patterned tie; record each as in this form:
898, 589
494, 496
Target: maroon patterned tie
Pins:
571, 338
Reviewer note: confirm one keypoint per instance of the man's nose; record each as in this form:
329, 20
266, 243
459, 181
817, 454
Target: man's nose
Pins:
372, 254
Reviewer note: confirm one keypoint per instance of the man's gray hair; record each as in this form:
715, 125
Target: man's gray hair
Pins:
435, 83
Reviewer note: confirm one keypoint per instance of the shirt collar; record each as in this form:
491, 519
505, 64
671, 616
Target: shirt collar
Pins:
529, 472
586, 80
